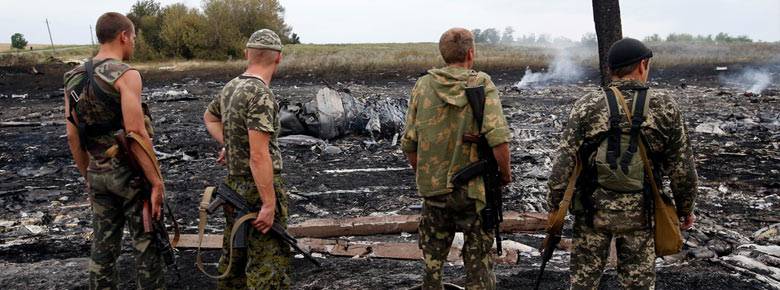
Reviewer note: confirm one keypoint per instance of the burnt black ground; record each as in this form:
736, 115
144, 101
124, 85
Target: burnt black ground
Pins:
38, 181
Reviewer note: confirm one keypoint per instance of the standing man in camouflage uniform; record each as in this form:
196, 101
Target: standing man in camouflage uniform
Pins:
111, 101
244, 118
438, 117
602, 213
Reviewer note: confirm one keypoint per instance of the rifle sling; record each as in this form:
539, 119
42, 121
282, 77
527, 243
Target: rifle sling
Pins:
555, 224
149, 152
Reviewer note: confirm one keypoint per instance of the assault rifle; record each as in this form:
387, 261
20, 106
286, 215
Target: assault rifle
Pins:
486, 166
227, 196
556, 220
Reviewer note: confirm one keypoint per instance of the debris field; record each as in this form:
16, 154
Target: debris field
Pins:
352, 197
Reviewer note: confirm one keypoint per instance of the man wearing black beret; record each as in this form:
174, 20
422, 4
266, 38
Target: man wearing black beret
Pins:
609, 131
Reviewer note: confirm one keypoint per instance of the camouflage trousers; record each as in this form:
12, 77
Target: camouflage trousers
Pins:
635, 253
265, 262
114, 204
442, 216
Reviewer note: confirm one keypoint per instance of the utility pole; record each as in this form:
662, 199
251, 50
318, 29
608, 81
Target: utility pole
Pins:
50, 39
91, 35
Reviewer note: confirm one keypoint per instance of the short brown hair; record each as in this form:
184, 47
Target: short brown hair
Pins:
262, 56
454, 45
625, 70
110, 24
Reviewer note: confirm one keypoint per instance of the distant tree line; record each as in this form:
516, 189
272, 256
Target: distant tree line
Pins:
507, 36
493, 36
685, 37
218, 30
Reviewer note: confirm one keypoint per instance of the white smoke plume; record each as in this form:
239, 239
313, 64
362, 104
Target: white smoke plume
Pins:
750, 80
563, 68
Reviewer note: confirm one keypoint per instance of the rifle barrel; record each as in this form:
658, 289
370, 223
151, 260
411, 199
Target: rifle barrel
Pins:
541, 273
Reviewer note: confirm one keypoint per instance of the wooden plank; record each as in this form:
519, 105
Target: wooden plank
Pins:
191, 241
343, 248
364, 226
359, 226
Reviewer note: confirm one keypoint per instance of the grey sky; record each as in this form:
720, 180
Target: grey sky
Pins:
348, 21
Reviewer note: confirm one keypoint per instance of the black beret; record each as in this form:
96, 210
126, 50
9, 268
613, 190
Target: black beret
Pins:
627, 51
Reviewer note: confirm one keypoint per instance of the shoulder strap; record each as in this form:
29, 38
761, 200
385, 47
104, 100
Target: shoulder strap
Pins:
73, 103
102, 95
636, 119
476, 96
75, 94
613, 138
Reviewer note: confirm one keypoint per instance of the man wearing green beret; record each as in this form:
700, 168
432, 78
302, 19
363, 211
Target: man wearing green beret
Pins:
244, 118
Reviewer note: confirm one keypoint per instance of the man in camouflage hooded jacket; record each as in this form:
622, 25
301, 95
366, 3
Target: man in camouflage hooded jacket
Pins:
438, 117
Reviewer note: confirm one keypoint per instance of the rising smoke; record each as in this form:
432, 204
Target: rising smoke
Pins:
564, 68
750, 80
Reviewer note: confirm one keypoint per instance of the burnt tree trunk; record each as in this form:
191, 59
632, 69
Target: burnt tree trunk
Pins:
606, 15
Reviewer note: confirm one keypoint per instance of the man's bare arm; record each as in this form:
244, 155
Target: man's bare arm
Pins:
129, 86
412, 156
501, 153
214, 126
79, 154
263, 173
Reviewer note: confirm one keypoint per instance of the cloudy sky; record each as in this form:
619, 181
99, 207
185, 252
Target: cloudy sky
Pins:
349, 21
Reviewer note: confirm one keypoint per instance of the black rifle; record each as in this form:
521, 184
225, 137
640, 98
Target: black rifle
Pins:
487, 167
228, 196
548, 248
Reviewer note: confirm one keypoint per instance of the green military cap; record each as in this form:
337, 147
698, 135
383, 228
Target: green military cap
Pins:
264, 39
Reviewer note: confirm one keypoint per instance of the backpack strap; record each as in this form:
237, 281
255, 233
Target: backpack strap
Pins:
73, 103
75, 96
613, 137
637, 118
103, 96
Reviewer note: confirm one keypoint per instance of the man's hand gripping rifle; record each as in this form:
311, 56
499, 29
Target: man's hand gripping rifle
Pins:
244, 212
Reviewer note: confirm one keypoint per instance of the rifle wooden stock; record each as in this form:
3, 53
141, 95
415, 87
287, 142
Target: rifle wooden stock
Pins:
557, 219
146, 216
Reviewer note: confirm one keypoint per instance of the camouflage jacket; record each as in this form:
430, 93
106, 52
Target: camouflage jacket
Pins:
666, 135
438, 117
93, 110
246, 103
